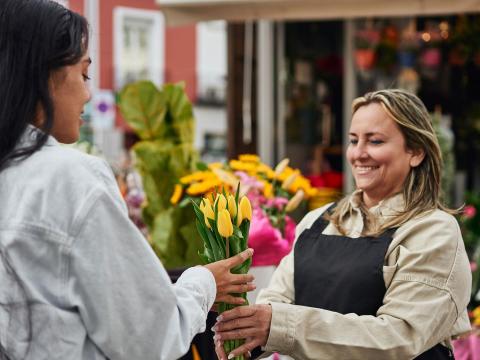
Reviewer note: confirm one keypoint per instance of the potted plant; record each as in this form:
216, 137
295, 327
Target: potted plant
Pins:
163, 119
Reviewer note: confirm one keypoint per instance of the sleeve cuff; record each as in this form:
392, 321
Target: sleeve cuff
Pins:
282, 328
202, 279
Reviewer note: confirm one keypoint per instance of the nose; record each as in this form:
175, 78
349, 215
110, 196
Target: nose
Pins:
360, 151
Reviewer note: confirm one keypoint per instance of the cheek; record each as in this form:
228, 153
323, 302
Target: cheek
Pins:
349, 154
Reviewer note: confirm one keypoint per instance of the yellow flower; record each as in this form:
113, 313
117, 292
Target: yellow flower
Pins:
232, 206
224, 223
242, 166
264, 169
476, 321
196, 176
215, 165
281, 166
177, 194
267, 189
249, 158
244, 210
295, 201
203, 187
476, 312
289, 180
227, 177
221, 201
207, 210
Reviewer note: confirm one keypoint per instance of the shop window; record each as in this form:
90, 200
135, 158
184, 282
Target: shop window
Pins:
438, 58
211, 63
139, 45
314, 93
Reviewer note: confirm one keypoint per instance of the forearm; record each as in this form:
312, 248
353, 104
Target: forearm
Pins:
308, 333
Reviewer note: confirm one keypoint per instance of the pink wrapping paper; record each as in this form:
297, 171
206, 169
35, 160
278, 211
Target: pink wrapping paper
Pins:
467, 348
269, 245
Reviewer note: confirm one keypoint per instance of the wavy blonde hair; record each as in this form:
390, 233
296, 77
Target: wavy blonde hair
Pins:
421, 189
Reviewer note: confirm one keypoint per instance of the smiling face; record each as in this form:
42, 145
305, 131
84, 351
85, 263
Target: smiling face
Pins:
378, 155
69, 92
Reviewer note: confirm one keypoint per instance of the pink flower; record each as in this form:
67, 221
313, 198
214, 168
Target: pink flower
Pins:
278, 202
469, 212
473, 266
269, 245
249, 180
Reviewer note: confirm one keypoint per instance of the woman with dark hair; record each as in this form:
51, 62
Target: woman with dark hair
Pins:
78, 280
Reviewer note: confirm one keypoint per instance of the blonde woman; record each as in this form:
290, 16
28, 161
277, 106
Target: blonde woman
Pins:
383, 274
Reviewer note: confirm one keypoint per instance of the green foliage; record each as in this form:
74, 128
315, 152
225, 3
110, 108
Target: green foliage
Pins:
163, 119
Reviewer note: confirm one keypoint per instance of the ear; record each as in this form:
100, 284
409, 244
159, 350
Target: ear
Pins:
417, 157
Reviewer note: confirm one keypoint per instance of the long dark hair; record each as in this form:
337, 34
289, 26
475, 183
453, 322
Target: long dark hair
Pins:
36, 38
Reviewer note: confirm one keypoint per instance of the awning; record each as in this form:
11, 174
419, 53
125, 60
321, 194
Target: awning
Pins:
188, 11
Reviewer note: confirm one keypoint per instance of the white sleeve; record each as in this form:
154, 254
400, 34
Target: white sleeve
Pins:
124, 296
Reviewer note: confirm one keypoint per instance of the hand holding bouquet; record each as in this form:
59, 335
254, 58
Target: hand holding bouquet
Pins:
223, 222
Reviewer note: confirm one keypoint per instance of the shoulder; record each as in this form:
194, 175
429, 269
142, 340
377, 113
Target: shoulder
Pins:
70, 167
435, 228
55, 188
430, 249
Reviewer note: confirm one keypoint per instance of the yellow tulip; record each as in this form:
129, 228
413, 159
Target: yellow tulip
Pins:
224, 223
244, 210
282, 165
221, 201
232, 206
207, 210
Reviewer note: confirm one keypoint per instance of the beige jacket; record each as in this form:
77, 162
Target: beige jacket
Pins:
428, 281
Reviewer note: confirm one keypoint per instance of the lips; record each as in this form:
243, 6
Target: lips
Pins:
365, 169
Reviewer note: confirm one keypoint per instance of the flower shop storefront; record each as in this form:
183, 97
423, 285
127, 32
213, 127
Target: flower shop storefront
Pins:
294, 73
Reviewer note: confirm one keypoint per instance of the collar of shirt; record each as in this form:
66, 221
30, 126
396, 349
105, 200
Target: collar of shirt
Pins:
385, 208
30, 135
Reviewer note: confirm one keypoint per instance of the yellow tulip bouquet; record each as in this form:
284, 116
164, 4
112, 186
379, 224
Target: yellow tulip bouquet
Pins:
223, 222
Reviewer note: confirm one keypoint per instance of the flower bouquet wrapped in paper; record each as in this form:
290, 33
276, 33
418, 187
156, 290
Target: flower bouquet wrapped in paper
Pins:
223, 222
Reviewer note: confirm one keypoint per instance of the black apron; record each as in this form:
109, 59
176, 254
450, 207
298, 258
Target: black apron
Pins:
345, 275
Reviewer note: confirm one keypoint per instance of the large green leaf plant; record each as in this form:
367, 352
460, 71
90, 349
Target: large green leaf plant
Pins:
163, 119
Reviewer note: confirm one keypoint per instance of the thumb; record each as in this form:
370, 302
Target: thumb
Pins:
239, 258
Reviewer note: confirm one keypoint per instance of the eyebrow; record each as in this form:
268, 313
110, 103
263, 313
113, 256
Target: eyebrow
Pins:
89, 61
369, 134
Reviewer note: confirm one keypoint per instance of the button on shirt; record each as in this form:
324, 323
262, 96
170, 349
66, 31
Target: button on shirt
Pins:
95, 288
428, 281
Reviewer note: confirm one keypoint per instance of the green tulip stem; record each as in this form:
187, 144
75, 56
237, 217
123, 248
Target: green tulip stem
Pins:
227, 247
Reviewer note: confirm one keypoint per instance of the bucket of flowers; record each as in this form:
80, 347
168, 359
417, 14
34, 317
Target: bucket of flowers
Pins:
272, 192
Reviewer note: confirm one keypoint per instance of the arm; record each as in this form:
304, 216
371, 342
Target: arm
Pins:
428, 292
123, 294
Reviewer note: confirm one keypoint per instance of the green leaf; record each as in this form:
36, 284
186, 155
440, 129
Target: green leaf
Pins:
163, 225
201, 166
205, 259
144, 108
